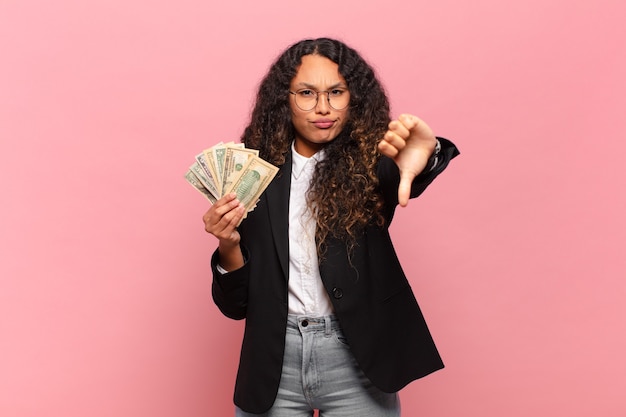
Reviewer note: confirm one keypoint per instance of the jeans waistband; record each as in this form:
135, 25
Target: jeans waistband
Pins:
313, 324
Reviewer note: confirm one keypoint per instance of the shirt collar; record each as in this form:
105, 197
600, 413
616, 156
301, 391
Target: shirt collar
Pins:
299, 162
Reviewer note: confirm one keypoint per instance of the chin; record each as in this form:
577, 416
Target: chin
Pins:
329, 137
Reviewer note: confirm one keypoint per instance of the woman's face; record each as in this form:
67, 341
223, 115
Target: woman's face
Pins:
321, 124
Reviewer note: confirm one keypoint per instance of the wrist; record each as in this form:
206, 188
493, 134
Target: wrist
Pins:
230, 256
434, 157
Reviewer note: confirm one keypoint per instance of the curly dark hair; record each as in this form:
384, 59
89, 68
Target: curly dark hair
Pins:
344, 191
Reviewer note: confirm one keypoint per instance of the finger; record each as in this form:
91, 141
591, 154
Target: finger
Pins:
225, 226
387, 149
218, 216
220, 202
391, 144
404, 189
234, 217
227, 207
221, 207
415, 125
395, 140
399, 127
226, 200
408, 121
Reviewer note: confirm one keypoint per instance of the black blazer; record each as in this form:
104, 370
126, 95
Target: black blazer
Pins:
372, 298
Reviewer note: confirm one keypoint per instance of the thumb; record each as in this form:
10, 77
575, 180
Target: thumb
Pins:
404, 189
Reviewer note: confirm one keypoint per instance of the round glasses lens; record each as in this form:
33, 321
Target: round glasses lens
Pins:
338, 98
306, 99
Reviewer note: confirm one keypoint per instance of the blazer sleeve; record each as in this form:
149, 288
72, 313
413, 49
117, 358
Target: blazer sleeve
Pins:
230, 290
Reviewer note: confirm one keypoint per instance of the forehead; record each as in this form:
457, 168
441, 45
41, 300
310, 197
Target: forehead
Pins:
317, 71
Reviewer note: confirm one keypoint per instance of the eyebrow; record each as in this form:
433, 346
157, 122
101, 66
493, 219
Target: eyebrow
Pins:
313, 87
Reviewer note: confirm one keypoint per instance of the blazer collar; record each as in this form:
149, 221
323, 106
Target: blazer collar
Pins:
278, 205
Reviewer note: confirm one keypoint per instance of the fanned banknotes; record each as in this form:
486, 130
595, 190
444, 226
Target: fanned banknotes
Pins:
230, 167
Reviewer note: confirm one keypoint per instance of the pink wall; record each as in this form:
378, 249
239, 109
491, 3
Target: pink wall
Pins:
516, 253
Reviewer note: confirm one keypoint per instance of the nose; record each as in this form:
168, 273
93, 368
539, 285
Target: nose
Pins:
322, 106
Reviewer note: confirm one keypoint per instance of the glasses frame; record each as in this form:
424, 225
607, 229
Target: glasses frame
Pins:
317, 97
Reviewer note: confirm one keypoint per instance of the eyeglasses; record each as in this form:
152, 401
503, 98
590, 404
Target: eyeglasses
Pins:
306, 99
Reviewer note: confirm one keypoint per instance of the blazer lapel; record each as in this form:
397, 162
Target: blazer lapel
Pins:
278, 206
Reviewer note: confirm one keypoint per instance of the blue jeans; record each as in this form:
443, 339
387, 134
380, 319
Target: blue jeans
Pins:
319, 372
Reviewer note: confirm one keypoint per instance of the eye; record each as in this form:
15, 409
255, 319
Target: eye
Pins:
306, 93
337, 92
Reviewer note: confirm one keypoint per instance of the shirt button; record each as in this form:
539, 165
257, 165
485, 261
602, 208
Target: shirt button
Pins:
337, 293
305, 323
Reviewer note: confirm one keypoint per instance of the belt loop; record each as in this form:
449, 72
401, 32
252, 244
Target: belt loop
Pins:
328, 330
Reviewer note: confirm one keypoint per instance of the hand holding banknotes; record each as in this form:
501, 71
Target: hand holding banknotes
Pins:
232, 178
221, 220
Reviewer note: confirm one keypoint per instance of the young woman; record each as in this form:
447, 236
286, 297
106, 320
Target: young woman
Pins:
331, 321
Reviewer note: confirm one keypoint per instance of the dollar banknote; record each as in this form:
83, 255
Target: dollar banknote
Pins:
219, 155
230, 167
195, 182
235, 159
209, 157
252, 181
212, 183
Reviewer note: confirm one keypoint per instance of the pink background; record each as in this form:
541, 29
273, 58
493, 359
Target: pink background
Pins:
516, 253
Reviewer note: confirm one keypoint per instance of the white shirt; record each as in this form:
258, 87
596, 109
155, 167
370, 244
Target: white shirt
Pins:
307, 295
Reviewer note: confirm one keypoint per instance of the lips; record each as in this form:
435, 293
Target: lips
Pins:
323, 123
